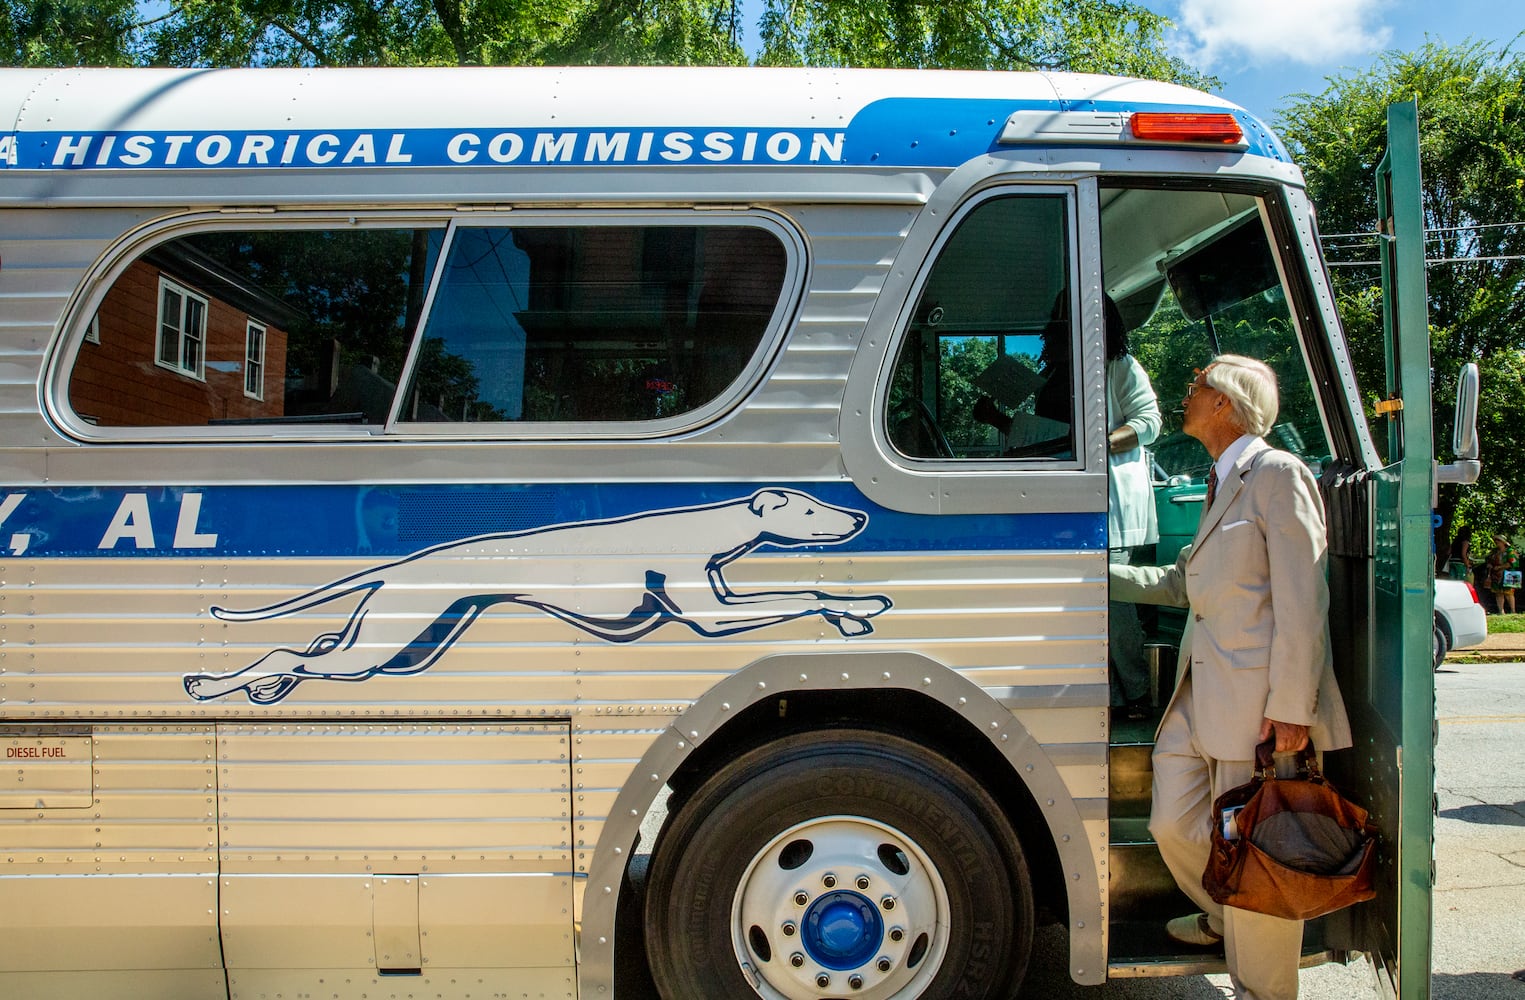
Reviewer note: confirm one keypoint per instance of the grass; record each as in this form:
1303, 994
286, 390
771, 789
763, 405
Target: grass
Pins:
1502, 624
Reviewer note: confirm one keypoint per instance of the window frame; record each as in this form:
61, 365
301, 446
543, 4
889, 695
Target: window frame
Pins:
252, 363
187, 296
1074, 234
97, 282
985, 486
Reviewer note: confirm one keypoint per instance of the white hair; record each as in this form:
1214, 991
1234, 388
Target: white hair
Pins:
1250, 387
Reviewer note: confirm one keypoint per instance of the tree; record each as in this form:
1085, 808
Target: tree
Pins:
66, 32
356, 32
1094, 36
1101, 36
1472, 148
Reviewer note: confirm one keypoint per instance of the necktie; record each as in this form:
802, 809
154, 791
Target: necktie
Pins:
1212, 487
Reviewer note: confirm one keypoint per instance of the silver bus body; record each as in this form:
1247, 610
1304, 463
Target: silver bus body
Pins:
258, 750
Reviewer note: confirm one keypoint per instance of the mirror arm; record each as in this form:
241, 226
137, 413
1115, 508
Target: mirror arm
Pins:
1464, 472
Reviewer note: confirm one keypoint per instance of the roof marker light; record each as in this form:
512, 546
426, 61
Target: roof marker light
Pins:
1218, 129
1048, 127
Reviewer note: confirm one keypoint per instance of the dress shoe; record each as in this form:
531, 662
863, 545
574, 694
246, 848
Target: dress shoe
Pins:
1195, 931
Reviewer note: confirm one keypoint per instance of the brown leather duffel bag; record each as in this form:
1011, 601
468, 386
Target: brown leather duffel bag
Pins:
1290, 847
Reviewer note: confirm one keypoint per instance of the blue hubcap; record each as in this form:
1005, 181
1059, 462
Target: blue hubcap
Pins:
842, 930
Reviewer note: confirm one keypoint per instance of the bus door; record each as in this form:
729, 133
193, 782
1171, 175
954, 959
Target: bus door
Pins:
1390, 690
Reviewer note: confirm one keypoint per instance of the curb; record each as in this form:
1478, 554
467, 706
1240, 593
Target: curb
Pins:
1486, 656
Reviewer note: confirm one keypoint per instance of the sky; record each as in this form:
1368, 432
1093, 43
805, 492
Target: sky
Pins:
1265, 50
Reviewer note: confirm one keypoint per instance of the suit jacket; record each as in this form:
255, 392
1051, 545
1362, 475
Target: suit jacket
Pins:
1256, 644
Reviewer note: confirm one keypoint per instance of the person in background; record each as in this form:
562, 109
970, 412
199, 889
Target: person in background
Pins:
1503, 574
1461, 555
1479, 564
1255, 659
1133, 422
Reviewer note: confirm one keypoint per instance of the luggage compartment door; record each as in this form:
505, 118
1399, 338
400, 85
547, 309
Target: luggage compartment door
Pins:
357, 853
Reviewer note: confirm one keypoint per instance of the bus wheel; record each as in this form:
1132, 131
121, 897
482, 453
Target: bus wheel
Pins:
848, 863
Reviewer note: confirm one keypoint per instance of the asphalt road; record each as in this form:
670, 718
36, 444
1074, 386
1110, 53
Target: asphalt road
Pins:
1480, 864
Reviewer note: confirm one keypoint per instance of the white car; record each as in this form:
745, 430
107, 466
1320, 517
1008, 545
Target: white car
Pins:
1460, 621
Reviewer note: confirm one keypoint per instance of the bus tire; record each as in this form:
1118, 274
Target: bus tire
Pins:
843, 863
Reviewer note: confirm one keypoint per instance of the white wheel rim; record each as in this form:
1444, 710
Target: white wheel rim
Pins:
865, 914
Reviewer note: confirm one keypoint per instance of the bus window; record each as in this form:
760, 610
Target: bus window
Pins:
984, 370
256, 327
593, 323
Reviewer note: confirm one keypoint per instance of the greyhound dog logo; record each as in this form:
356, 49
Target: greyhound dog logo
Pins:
679, 578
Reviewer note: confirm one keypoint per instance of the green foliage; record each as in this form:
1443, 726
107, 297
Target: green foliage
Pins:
1100, 36
67, 32
652, 32
1096, 36
1472, 146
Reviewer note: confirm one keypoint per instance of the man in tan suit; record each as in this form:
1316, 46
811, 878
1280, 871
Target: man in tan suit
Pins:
1254, 659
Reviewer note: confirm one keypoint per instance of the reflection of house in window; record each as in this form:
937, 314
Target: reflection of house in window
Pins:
254, 361
182, 328
182, 340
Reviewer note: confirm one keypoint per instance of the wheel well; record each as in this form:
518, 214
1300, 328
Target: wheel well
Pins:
912, 716
907, 714
1444, 624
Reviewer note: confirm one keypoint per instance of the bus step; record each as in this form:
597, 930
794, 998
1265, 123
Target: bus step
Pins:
1141, 887
1131, 778
1140, 947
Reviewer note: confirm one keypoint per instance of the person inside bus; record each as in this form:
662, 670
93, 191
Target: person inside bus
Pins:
1046, 432
1255, 659
1133, 423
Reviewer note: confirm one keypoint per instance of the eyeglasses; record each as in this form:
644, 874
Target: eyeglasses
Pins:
1199, 381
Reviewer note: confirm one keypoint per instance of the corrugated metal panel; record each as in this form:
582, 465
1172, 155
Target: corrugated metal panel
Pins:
153, 810
366, 798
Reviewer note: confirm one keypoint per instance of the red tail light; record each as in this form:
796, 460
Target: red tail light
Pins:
1168, 126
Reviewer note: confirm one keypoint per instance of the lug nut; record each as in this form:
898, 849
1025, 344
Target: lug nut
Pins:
855, 981
888, 902
885, 965
788, 928
829, 881
862, 881
896, 934
822, 980
796, 960
801, 898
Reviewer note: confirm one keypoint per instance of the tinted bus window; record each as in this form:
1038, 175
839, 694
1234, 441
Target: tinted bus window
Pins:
984, 371
593, 323
254, 327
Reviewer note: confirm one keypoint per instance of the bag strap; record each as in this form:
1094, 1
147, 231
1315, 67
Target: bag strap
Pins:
1265, 761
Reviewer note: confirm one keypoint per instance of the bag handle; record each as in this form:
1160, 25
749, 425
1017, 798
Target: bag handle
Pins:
1265, 761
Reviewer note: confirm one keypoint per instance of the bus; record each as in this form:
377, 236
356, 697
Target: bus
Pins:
526, 532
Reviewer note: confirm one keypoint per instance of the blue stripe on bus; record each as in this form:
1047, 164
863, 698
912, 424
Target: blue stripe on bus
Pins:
391, 521
898, 132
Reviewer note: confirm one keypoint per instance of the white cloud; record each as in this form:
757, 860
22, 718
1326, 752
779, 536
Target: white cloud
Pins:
1216, 33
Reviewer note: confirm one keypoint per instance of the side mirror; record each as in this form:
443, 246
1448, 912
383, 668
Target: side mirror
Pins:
1466, 468
1464, 437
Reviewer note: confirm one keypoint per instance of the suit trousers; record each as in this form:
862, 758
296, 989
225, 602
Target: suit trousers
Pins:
1263, 952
